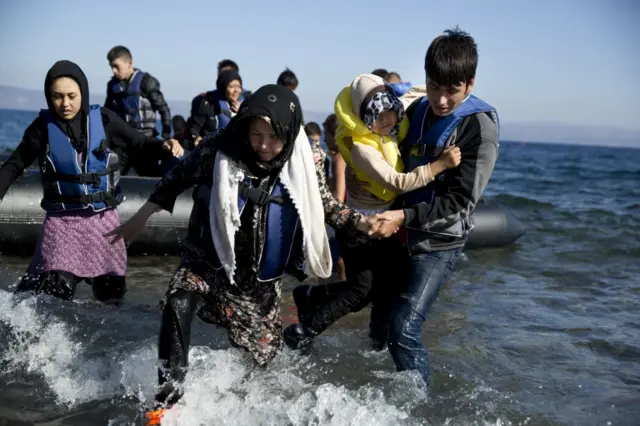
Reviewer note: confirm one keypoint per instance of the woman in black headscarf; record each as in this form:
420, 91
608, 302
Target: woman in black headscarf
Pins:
231, 276
212, 111
77, 147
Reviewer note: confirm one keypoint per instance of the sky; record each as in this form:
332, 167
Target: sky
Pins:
567, 61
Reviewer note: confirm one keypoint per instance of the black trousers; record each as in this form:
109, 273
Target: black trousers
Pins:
375, 271
175, 339
63, 284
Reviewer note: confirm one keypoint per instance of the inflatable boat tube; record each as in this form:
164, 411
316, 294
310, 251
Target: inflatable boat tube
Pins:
21, 219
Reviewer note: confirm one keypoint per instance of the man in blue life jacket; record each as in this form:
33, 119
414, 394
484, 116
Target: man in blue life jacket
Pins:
438, 217
136, 97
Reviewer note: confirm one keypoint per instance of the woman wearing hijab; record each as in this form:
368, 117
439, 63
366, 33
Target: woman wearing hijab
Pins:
77, 148
212, 111
259, 213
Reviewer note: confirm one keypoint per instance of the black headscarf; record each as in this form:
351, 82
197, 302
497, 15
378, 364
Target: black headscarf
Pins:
76, 128
226, 77
282, 107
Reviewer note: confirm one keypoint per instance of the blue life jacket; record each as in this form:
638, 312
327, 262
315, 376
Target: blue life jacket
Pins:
70, 185
422, 148
282, 250
401, 88
131, 105
223, 115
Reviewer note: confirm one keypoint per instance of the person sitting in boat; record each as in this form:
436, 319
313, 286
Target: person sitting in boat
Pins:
77, 146
399, 87
259, 213
371, 122
229, 64
211, 111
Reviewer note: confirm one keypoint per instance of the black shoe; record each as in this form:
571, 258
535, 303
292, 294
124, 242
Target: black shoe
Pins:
302, 301
379, 339
297, 337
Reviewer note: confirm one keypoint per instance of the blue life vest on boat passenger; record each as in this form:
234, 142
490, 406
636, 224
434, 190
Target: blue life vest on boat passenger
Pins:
282, 251
224, 113
132, 106
423, 147
72, 183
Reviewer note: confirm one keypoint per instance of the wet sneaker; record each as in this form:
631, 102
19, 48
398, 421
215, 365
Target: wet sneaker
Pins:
296, 338
154, 417
301, 299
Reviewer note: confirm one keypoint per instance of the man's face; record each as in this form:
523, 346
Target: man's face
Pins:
444, 99
122, 68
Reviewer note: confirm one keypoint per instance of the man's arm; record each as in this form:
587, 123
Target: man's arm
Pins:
150, 87
109, 101
462, 187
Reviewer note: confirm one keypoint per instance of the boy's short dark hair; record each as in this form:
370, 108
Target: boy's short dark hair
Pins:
287, 78
331, 124
380, 72
228, 63
452, 58
118, 52
312, 128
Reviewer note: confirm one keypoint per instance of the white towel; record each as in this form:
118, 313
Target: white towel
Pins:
298, 176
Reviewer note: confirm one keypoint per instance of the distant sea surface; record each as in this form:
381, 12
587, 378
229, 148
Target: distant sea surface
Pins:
545, 332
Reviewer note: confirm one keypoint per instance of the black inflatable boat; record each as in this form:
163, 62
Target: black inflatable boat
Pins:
21, 219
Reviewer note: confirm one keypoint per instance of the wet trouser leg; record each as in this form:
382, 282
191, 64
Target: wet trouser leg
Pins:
175, 338
108, 287
366, 264
427, 273
388, 284
60, 284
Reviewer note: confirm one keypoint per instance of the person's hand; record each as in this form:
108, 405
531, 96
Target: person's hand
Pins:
131, 229
388, 223
235, 105
368, 225
382, 225
450, 157
173, 146
197, 140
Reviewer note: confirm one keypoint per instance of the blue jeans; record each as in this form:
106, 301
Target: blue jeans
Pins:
427, 273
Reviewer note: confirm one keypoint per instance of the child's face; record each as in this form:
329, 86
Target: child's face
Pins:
385, 123
315, 138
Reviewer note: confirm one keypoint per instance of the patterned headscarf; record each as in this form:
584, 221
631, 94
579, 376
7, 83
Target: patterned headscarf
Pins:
381, 102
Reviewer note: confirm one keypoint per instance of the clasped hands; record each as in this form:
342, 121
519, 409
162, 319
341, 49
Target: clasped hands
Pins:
382, 225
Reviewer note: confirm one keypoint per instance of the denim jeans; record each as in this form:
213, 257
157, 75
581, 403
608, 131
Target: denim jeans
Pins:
427, 273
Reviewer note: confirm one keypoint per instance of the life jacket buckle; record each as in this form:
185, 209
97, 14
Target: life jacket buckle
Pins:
256, 195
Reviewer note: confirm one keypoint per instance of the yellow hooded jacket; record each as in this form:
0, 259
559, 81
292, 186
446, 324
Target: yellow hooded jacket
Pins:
351, 129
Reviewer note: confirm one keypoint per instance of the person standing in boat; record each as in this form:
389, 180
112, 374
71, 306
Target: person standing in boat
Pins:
136, 97
259, 213
78, 148
438, 217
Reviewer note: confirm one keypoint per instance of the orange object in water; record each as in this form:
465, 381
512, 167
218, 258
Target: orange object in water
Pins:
155, 417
